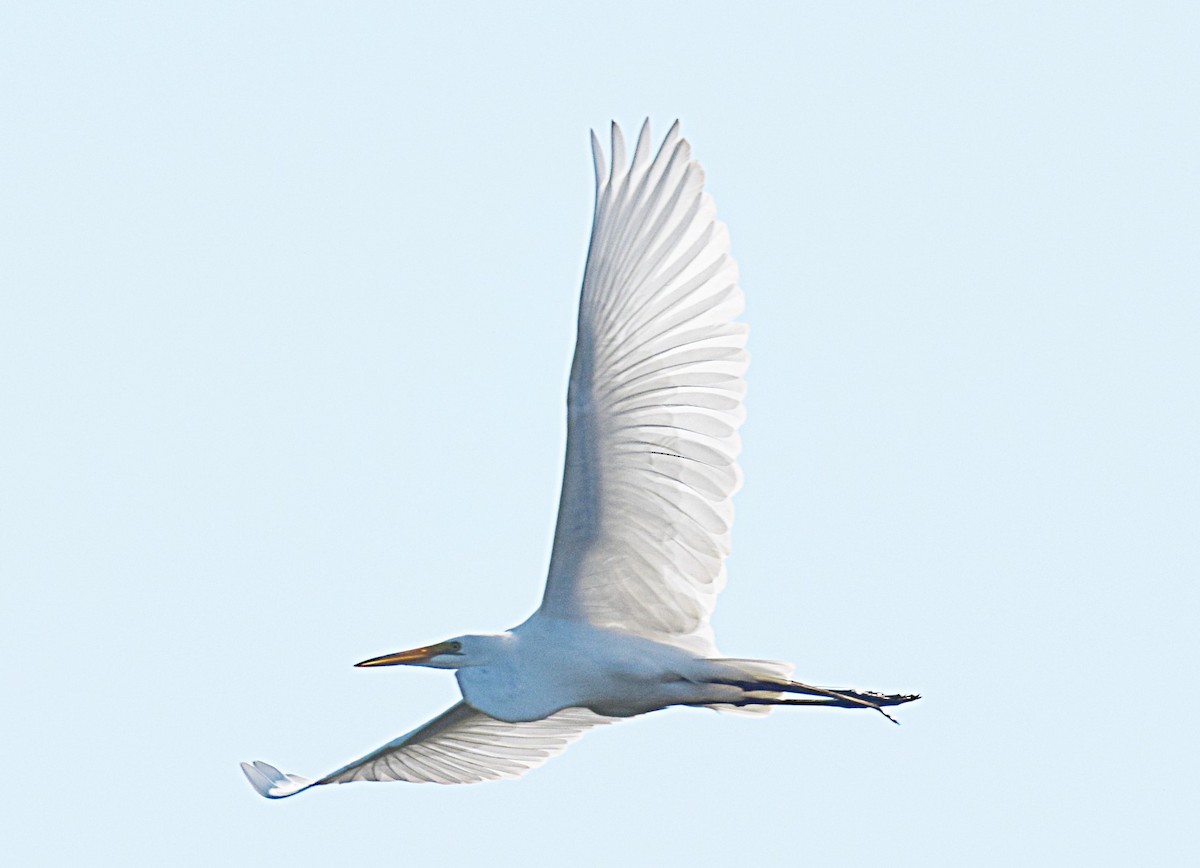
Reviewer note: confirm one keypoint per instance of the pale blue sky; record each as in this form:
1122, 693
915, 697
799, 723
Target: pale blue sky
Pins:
288, 300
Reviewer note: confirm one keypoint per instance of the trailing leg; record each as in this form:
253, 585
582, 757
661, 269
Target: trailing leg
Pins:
831, 698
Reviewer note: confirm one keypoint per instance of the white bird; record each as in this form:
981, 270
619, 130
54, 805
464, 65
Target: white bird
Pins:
654, 405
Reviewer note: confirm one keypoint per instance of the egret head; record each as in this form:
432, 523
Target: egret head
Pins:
451, 654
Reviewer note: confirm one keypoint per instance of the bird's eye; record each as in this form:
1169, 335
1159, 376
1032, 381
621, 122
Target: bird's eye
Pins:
456, 646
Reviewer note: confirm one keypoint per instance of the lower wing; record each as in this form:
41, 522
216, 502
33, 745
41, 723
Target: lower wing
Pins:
459, 746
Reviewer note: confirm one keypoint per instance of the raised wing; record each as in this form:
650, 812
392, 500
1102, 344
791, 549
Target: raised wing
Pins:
654, 405
460, 746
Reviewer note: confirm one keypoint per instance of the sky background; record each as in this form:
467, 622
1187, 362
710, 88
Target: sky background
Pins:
288, 307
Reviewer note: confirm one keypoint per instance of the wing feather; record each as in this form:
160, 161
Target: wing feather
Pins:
459, 746
654, 404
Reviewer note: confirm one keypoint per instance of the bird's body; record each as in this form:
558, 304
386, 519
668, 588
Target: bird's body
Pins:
546, 665
654, 406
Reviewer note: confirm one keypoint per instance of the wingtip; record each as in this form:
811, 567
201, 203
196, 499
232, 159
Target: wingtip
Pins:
618, 149
598, 159
260, 782
270, 783
641, 152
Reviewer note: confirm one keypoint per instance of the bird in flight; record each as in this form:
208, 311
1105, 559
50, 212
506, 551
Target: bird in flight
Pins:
653, 410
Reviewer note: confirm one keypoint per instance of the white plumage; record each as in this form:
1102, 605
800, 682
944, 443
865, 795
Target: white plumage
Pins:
654, 406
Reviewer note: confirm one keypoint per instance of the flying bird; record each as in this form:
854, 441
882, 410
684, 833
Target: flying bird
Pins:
653, 410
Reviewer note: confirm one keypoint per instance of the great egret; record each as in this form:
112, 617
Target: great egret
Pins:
654, 405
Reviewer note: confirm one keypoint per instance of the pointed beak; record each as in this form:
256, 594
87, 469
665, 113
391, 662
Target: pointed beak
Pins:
415, 656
